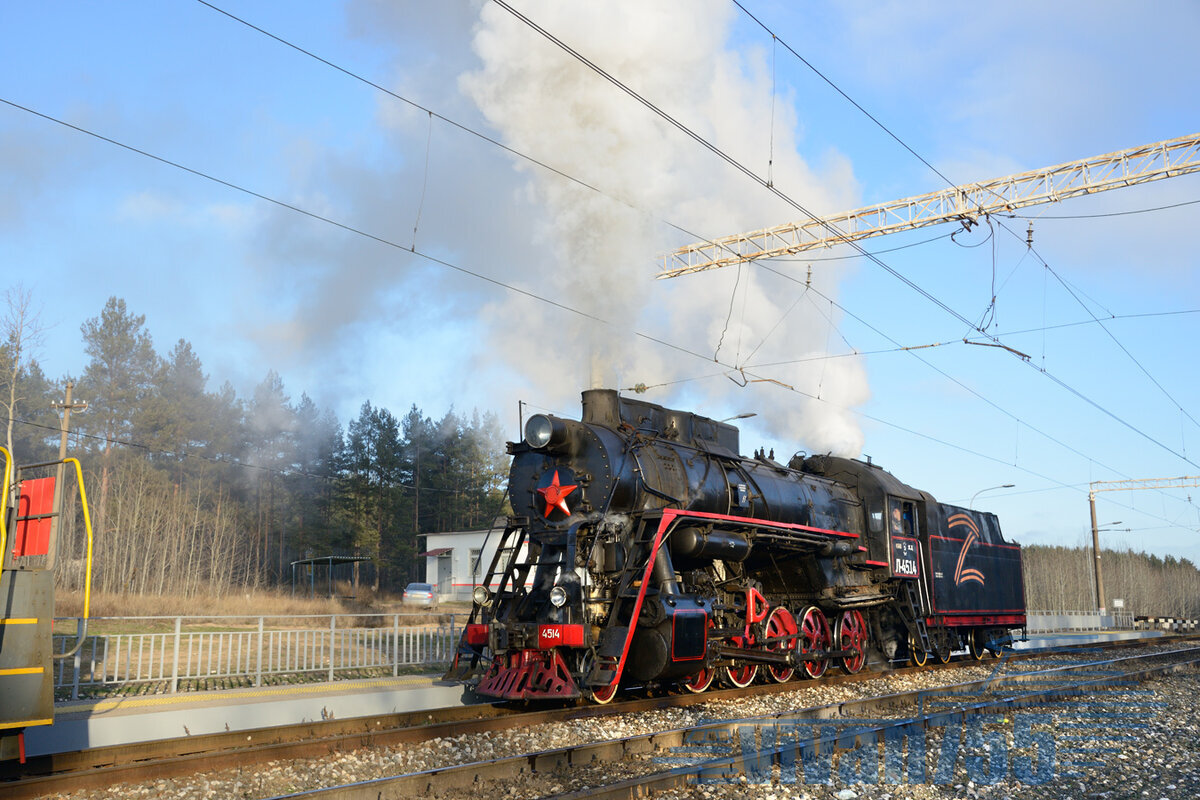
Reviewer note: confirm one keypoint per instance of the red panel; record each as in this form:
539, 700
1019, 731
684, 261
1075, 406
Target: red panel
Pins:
34, 506
477, 634
555, 635
1015, 619
529, 675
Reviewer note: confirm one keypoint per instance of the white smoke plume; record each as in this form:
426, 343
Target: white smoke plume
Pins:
599, 255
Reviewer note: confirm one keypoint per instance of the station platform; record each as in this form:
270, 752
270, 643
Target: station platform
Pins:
124, 720
1039, 641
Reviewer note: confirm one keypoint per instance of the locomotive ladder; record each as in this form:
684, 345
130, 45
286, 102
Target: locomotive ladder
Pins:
912, 612
630, 591
510, 573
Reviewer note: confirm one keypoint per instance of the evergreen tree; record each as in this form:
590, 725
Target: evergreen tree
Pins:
272, 426
116, 382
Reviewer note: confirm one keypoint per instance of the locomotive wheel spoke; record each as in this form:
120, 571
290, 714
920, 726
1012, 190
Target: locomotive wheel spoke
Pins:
977, 643
600, 695
603, 695
852, 635
916, 654
781, 623
741, 676
815, 635
700, 681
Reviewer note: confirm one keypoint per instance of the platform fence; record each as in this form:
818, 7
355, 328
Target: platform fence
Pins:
1039, 621
198, 653
173, 654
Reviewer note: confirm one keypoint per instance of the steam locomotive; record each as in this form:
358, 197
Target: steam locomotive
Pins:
644, 550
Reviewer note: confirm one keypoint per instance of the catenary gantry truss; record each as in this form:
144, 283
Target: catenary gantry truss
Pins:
964, 203
1127, 485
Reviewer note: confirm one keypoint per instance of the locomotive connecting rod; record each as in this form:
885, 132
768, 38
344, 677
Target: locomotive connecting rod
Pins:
780, 658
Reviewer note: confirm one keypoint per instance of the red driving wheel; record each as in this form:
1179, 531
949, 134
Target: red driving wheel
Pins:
852, 635
815, 635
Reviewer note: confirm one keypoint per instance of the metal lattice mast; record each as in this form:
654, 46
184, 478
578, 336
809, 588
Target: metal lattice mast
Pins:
965, 203
1133, 484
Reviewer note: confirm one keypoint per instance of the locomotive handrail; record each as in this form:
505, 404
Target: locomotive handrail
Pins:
87, 572
4, 505
665, 522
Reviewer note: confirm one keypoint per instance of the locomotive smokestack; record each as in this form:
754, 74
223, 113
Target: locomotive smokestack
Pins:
601, 407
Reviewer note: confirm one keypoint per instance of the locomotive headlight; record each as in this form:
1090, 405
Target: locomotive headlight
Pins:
558, 597
481, 596
538, 430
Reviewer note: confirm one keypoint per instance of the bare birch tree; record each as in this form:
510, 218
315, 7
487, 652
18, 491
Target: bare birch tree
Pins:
21, 333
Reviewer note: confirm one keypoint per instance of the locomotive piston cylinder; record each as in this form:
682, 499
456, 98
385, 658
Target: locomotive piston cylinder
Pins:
696, 545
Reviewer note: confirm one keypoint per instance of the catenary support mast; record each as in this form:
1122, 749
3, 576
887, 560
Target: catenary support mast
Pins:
966, 204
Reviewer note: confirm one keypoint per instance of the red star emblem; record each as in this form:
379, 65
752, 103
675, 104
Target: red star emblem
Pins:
556, 495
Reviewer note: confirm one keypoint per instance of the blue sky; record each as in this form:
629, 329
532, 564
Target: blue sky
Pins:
348, 317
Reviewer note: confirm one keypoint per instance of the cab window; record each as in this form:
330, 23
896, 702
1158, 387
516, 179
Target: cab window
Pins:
901, 516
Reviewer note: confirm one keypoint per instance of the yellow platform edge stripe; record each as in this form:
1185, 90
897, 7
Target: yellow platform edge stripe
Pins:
22, 671
25, 723
20, 621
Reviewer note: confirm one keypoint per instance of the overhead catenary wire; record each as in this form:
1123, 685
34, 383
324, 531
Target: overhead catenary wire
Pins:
861, 251
838, 89
728, 159
769, 184
987, 316
1120, 345
192, 454
498, 283
833, 229
354, 230
1104, 214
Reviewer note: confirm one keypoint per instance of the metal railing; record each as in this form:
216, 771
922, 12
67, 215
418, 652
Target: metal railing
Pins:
197, 653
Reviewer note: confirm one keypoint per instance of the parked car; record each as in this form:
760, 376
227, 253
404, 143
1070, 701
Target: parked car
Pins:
420, 594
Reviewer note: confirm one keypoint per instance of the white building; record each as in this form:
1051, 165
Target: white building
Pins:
456, 562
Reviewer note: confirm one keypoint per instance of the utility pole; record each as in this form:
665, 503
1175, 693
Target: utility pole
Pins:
1132, 484
67, 407
1096, 551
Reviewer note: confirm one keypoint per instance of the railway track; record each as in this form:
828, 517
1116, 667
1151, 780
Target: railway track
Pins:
97, 769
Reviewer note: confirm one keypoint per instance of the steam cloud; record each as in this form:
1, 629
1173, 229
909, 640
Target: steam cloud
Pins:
547, 104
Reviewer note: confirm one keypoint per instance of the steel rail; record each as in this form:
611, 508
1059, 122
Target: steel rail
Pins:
792, 753
436, 782
104, 767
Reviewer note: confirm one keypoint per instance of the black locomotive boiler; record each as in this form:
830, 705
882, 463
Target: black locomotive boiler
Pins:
643, 549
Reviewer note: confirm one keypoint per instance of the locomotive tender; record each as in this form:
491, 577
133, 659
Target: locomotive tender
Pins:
643, 549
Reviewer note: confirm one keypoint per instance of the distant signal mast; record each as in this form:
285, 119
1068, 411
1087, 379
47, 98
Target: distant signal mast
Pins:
966, 203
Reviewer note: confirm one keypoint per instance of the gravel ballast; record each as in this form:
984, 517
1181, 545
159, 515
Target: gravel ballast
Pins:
1156, 756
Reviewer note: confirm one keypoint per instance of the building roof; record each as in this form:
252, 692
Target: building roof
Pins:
331, 560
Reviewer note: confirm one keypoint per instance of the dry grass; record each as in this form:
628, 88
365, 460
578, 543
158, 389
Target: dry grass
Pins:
209, 612
249, 602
